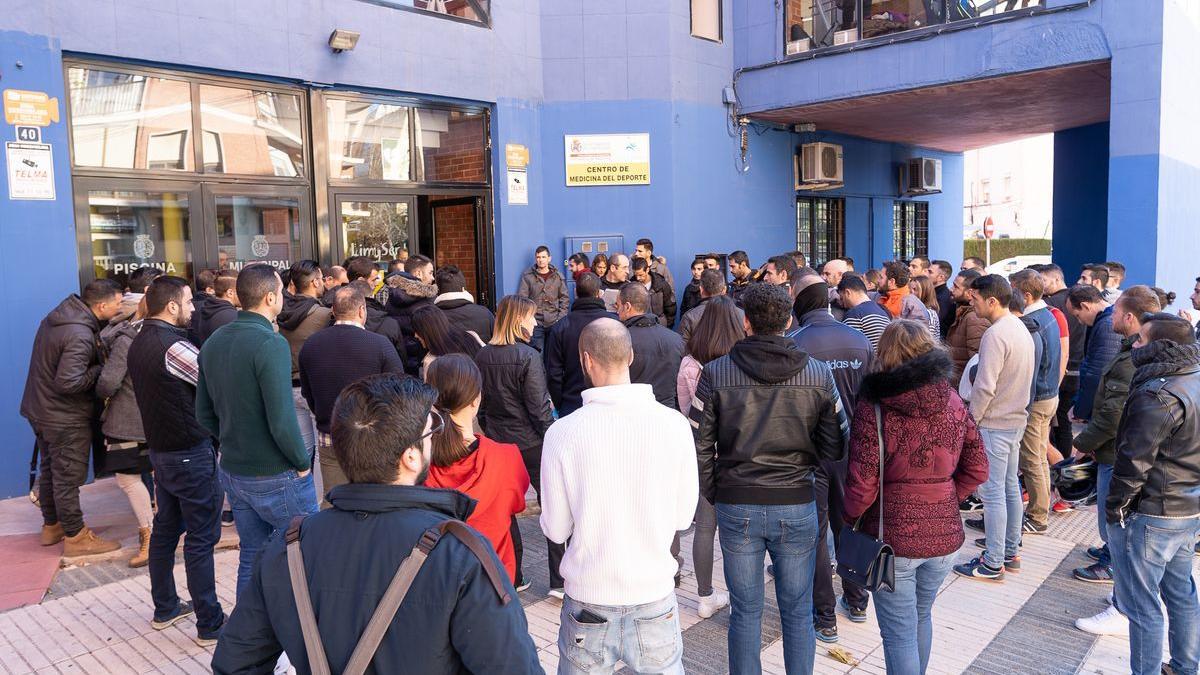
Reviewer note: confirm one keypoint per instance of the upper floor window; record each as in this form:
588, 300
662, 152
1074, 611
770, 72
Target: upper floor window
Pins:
706, 19
910, 230
473, 11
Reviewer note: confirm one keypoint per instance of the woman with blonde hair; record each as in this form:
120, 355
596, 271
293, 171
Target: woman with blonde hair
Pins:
516, 405
487, 471
922, 288
913, 442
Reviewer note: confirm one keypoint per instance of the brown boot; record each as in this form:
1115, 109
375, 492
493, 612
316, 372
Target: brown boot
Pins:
87, 543
52, 534
142, 557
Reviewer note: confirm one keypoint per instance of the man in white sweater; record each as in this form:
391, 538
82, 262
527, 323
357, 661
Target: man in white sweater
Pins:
619, 479
1000, 398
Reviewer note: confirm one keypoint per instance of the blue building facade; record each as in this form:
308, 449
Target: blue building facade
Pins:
209, 134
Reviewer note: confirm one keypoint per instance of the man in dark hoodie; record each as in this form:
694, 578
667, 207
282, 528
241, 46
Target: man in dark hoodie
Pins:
657, 350
775, 414
849, 355
220, 309
203, 293
60, 405
302, 316
459, 305
564, 374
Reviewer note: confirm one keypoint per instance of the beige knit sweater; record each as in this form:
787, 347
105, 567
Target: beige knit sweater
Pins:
1000, 396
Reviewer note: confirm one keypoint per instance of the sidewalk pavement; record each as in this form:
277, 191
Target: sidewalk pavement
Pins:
94, 617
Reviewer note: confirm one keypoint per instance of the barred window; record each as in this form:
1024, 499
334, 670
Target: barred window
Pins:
820, 229
910, 229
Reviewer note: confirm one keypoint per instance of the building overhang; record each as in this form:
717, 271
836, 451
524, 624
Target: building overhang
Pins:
965, 115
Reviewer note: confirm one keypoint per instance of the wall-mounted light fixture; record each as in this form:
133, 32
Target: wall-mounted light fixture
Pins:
342, 40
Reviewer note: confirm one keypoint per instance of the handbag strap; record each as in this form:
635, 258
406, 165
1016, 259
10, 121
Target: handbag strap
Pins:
393, 597
879, 434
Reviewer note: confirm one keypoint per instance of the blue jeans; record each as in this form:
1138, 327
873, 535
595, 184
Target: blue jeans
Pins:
1103, 480
789, 533
189, 500
1001, 494
1152, 556
909, 606
538, 339
261, 505
646, 637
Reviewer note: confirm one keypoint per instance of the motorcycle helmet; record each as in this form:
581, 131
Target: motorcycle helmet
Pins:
1075, 479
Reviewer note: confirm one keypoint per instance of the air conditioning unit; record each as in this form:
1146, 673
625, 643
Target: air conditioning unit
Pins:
924, 176
798, 46
820, 163
845, 37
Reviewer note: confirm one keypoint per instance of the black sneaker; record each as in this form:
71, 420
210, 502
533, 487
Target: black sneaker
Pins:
1097, 573
1097, 553
970, 504
856, 615
227, 519
975, 524
828, 635
208, 638
183, 611
977, 569
522, 584
1030, 527
1012, 564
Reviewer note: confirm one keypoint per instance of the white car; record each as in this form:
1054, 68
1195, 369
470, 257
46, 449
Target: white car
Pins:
1009, 265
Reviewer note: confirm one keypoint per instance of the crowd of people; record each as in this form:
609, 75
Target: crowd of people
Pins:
769, 411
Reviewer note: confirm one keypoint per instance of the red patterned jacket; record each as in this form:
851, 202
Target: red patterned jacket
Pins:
933, 458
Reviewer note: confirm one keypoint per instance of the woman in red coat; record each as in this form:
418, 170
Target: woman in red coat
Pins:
491, 473
933, 458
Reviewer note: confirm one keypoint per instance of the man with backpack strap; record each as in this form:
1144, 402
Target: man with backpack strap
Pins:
460, 614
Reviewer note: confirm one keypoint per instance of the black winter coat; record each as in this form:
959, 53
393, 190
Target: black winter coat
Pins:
63, 367
564, 374
451, 621
516, 405
462, 312
1157, 471
406, 294
774, 413
662, 299
379, 322
691, 297
199, 300
657, 351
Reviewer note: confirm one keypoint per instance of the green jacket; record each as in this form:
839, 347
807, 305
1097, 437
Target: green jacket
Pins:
1099, 437
244, 397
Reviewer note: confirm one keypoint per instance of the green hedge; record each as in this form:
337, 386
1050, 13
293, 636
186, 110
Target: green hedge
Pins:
1006, 248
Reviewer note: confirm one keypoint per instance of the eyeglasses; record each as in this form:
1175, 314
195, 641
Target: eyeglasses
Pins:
434, 428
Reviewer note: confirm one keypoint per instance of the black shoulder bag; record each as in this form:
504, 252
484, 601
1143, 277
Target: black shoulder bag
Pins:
862, 559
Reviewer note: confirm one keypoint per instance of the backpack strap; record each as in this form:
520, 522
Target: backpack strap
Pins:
393, 597
318, 663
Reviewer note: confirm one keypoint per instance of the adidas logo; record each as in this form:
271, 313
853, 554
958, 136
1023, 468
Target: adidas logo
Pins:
838, 364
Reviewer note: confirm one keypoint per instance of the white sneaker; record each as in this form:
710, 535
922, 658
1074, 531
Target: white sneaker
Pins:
1108, 622
556, 593
711, 604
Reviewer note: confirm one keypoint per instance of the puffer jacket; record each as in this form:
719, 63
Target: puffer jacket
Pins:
964, 337
549, 294
1102, 346
1157, 470
63, 367
1099, 437
516, 405
121, 419
933, 458
657, 351
774, 413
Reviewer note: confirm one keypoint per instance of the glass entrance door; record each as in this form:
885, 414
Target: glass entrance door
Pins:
249, 225
131, 224
380, 228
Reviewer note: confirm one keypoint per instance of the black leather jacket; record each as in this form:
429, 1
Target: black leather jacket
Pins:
1157, 471
764, 416
516, 407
